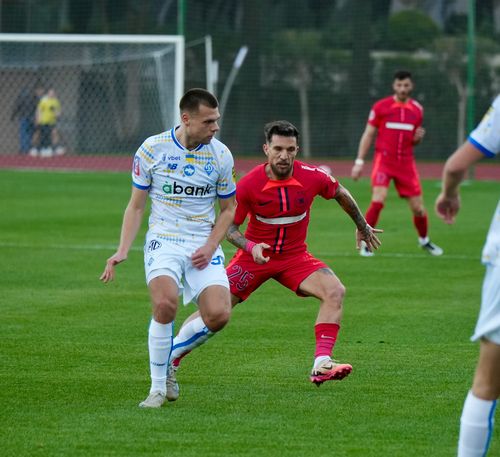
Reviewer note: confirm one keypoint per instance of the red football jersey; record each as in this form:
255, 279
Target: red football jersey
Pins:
279, 210
396, 123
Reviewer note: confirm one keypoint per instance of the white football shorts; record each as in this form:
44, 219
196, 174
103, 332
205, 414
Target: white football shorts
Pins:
488, 323
162, 258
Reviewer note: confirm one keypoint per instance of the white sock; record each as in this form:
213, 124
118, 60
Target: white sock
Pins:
160, 345
424, 240
190, 336
476, 426
320, 359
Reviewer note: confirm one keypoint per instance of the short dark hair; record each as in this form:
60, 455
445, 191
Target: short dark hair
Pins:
402, 74
193, 98
281, 128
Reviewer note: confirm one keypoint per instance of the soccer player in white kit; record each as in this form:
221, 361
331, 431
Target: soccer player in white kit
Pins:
184, 171
476, 425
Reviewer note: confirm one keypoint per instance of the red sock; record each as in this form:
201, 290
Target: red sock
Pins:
421, 223
177, 361
373, 213
326, 335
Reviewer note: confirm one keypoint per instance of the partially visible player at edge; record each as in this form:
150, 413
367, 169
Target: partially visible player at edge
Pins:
479, 408
184, 171
277, 196
396, 122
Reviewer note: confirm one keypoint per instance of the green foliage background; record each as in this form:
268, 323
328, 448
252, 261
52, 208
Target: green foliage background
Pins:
350, 49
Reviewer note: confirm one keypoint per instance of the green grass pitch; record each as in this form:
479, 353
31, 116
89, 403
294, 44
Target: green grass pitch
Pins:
73, 351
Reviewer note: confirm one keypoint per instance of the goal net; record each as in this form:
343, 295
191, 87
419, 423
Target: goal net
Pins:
113, 90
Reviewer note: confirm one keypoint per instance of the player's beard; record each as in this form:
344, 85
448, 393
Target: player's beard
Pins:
282, 172
403, 96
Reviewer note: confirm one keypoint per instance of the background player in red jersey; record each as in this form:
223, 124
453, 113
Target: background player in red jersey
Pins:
396, 122
277, 197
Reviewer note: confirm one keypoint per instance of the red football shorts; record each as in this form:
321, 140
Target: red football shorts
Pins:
404, 174
245, 275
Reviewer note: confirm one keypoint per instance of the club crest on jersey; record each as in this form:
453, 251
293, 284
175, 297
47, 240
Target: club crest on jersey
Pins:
209, 168
154, 245
188, 170
137, 166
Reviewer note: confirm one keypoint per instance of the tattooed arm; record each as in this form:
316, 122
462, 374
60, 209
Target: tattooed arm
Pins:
363, 231
236, 238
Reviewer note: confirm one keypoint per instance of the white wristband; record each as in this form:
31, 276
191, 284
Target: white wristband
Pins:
359, 161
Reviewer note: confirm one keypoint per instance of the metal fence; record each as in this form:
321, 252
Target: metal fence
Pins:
319, 64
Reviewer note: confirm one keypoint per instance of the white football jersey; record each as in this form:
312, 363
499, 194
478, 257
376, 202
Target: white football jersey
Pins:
486, 136
183, 186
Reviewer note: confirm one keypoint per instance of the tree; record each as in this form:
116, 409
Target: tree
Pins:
411, 30
298, 52
361, 65
452, 61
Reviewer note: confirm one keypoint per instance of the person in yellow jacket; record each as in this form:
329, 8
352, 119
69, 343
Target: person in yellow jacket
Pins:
48, 112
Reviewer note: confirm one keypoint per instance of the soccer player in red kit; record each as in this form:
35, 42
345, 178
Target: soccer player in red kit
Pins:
396, 122
277, 197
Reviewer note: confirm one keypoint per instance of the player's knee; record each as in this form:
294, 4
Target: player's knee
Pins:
486, 385
164, 309
335, 294
217, 319
486, 391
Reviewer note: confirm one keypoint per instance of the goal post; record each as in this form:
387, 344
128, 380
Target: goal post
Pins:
114, 90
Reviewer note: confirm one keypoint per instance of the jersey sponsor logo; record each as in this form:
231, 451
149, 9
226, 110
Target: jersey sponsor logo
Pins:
281, 220
174, 157
172, 166
189, 170
154, 245
400, 126
137, 166
209, 168
177, 189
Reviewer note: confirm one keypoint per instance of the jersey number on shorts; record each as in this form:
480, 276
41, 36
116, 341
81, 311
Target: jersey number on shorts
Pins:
239, 278
217, 260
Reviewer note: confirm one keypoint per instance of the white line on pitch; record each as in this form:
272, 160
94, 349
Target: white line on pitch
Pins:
112, 247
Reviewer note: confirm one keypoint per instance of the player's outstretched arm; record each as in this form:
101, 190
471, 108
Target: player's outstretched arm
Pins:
448, 201
236, 238
363, 231
364, 147
132, 219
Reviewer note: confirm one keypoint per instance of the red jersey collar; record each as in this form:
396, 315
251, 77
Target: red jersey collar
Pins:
272, 183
